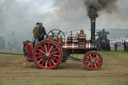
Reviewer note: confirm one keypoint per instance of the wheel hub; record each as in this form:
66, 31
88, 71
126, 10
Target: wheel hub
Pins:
93, 60
47, 54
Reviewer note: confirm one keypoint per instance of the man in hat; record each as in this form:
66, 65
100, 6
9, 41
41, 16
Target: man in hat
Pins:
42, 31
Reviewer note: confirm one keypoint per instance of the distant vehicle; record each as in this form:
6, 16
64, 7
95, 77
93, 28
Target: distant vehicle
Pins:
102, 41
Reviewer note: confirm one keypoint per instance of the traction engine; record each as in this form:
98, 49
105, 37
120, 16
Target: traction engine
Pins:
55, 49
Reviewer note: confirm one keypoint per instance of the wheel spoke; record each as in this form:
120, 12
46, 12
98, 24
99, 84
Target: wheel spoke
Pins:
89, 64
53, 61
38, 53
48, 46
58, 33
54, 52
46, 63
92, 65
52, 33
40, 57
42, 52
51, 48
90, 56
53, 58
88, 61
42, 48
98, 60
95, 65
56, 55
44, 60
45, 48
40, 60
49, 61
96, 57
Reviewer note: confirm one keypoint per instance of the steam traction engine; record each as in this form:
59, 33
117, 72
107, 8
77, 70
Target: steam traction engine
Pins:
102, 41
49, 53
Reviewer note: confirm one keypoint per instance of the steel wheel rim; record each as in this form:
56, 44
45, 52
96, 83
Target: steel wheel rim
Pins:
47, 54
93, 61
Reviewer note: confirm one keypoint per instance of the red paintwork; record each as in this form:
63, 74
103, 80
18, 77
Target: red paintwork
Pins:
82, 37
29, 50
53, 52
89, 58
81, 40
70, 45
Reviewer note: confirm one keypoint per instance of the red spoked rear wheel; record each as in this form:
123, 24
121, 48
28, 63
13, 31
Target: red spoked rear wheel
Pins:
92, 60
47, 54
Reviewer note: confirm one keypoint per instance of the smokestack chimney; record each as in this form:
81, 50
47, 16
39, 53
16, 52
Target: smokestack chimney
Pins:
93, 21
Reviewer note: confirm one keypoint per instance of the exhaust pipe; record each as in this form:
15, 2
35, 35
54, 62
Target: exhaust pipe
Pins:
93, 21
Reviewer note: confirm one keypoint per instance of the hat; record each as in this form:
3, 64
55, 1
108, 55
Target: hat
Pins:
37, 23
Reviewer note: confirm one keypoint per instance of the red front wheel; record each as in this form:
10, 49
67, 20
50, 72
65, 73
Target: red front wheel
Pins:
92, 60
47, 54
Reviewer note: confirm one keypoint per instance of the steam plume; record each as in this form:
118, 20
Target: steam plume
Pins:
94, 6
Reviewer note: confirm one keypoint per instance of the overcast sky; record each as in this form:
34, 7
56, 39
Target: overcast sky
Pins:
67, 15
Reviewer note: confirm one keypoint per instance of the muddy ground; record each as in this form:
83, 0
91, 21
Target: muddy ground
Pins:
113, 69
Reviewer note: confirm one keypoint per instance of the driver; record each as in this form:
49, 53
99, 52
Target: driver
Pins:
42, 31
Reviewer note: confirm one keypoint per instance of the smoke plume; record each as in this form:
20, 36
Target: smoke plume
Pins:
95, 6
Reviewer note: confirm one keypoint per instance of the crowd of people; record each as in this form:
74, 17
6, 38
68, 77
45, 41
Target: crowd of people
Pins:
125, 44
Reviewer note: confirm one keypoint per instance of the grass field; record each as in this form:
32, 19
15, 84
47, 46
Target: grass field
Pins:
113, 72
112, 54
